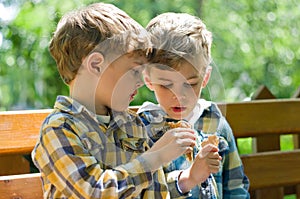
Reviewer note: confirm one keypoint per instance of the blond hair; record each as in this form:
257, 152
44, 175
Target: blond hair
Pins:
98, 27
178, 37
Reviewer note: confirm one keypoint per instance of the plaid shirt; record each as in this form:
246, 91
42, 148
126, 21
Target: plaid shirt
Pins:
231, 182
81, 157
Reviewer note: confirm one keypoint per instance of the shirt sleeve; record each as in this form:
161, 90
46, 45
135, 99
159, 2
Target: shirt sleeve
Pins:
232, 179
67, 165
172, 180
155, 131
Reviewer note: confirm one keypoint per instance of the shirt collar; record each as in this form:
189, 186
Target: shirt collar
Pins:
73, 107
197, 111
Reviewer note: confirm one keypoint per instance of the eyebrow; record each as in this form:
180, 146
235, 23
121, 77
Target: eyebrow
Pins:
194, 77
163, 79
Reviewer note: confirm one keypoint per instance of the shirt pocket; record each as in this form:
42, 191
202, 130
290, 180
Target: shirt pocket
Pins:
138, 145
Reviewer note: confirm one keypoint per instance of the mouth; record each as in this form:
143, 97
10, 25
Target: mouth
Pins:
178, 109
133, 95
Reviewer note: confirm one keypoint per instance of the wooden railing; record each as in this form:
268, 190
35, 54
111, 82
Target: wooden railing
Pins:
273, 173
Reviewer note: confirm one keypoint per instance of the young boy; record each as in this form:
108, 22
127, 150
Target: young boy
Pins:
91, 146
179, 70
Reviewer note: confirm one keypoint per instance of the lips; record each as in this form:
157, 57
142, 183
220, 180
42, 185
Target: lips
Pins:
178, 109
133, 95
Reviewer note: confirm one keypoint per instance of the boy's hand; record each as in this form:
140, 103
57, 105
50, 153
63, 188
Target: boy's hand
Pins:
206, 162
174, 143
208, 159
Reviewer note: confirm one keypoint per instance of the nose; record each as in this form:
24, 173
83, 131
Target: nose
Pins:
179, 93
139, 81
179, 96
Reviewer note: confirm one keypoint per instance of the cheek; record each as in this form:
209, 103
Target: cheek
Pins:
162, 93
195, 91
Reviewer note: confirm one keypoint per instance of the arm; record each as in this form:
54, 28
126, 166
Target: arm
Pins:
207, 161
234, 182
75, 172
66, 163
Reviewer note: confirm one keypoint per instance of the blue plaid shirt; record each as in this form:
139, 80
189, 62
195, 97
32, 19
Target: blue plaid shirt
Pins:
230, 182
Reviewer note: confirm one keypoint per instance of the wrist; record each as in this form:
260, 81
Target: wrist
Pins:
181, 184
184, 183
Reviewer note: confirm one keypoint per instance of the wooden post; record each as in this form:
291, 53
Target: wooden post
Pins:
296, 137
262, 93
266, 143
296, 140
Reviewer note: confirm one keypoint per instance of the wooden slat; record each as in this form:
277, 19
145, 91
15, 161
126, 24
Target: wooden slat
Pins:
255, 118
25, 186
271, 169
19, 130
13, 164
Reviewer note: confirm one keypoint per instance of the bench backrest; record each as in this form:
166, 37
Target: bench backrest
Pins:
19, 131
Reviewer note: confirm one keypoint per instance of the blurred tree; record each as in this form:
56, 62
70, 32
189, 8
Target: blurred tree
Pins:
255, 42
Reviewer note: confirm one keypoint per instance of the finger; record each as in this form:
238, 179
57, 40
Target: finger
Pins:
213, 155
210, 148
214, 169
213, 162
189, 150
186, 142
185, 134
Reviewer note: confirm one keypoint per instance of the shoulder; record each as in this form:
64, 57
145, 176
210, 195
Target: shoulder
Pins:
151, 113
56, 117
134, 117
59, 120
211, 110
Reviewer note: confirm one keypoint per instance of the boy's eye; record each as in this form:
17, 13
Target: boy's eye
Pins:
189, 85
135, 72
168, 86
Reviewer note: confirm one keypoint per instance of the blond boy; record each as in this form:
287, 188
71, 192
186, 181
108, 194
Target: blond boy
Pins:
178, 72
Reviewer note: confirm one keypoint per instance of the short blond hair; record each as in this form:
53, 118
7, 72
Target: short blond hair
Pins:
98, 27
178, 37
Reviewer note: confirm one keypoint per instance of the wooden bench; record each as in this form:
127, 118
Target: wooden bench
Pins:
22, 186
267, 171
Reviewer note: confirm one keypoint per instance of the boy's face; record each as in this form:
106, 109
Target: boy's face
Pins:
177, 91
119, 82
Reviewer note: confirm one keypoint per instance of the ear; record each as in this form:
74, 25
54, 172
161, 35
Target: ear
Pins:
206, 76
94, 63
147, 80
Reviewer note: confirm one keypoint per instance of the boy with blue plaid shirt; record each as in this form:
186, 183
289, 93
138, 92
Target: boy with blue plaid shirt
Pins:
178, 71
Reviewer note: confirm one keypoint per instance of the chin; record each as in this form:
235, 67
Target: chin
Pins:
120, 107
178, 116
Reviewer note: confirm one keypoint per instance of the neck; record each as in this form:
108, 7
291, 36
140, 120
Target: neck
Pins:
83, 91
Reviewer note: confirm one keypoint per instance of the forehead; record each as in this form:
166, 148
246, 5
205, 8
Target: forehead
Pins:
131, 60
138, 57
183, 68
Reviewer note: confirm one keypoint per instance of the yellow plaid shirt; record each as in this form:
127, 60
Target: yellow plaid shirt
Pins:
81, 157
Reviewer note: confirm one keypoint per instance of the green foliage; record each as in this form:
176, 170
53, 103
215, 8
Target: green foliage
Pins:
255, 42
